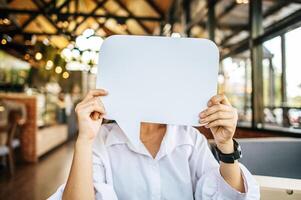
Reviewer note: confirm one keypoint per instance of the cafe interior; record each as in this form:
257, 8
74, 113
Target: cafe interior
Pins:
48, 61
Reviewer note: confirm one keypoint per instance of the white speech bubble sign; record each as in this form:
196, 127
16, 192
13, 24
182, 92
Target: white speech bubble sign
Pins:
156, 79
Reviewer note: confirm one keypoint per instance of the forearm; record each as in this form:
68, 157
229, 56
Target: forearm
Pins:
80, 180
231, 172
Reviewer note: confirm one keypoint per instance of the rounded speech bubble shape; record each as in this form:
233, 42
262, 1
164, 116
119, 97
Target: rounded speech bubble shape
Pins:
156, 79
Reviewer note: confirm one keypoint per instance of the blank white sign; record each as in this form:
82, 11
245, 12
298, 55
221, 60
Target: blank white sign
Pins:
156, 79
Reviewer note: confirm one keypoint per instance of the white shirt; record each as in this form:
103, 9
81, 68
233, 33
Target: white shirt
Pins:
184, 168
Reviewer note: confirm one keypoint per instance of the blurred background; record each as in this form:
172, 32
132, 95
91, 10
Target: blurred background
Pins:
48, 61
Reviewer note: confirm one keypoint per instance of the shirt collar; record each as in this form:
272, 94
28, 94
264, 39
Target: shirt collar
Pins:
115, 135
175, 136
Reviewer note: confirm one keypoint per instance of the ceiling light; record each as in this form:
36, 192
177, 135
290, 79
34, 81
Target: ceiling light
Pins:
242, 1
176, 35
88, 32
27, 56
4, 41
49, 65
65, 24
65, 75
58, 69
38, 56
6, 21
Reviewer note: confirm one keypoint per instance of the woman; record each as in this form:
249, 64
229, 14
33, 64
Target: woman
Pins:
173, 163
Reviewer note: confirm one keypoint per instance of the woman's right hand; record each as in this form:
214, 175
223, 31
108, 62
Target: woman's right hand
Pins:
90, 112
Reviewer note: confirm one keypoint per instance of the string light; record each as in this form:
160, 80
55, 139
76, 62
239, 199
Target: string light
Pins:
49, 65
4, 41
4, 21
242, 1
65, 24
38, 56
58, 69
176, 35
65, 75
27, 56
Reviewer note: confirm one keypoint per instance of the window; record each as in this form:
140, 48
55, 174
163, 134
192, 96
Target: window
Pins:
272, 72
293, 78
282, 102
293, 67
235, 82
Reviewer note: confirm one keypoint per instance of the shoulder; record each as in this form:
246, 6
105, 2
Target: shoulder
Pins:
102, 137
189, 134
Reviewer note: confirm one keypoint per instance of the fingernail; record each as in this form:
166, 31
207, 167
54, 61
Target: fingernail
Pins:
209, 103
202, 114
206, 126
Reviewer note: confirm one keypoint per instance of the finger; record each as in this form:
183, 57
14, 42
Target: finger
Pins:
216, 116
93, 103
214, 109
94, 100
83, 105
220, 122
95, 93
93, 108
217, 99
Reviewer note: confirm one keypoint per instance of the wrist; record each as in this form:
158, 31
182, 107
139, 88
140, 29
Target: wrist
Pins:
226, 147
84, 141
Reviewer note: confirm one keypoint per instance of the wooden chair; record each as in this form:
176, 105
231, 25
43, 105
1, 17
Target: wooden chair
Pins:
10, 129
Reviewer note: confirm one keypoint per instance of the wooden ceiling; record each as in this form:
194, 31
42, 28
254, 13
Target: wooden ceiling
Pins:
60, 21
63, 20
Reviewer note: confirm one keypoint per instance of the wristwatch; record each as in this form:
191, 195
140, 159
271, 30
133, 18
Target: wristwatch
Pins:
230, 157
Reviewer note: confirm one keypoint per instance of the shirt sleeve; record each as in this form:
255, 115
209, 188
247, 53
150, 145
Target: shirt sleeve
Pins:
103, 191
207, 180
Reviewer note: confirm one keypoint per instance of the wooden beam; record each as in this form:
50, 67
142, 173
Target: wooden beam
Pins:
227, 10
187, 16
123, 6
273, 9
171, 14
98, 6
155, 7
256, 19
211, 24
20, 32
80, 14
32, 17
40, 6
66, 3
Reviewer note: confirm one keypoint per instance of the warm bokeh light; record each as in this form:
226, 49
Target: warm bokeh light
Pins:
49, 65
83, 54
242, 1
65, 75
27, 56
3, 41
58, 69
38, 56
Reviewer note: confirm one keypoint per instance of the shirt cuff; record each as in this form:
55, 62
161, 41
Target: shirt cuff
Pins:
213, 186
250, 184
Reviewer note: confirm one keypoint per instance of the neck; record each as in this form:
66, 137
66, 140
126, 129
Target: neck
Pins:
148, 130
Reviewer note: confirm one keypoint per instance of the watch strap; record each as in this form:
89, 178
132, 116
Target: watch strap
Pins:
231, 157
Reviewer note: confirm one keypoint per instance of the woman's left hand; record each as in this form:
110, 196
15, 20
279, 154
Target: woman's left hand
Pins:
221, 118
